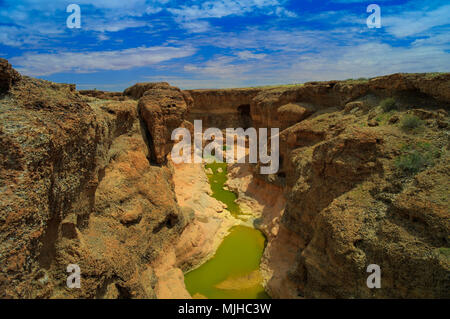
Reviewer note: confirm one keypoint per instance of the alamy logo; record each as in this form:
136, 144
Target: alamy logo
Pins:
234, 151
73, 20
374, 280
374, 20
74, 279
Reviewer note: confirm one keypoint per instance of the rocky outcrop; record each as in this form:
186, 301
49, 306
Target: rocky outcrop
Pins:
350, 208
348, 203
8, 76
137, 91
222, 108
162, 108
77, 188
408, 89
258, 107
292, 113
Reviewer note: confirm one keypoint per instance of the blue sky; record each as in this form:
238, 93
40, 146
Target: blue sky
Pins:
216, 44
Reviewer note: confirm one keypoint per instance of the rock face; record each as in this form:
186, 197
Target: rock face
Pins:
8, 76
258, 107
162, 108
350, 209
222, 108
348, 202
137, 91
77, 188
292, 113
351, 205
266, 201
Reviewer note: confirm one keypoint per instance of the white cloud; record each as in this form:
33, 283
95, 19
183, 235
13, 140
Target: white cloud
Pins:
196, 26
247, 55
220, 8
296, 56
102, 37
219, 67
17, 36
101, 24
282, 12
411, 23
35, 64
195, 83
46, 20
187, 15
298, 41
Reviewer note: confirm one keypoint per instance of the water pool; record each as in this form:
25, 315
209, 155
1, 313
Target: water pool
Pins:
233, 272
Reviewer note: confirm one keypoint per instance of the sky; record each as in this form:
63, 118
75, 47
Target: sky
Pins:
222, 43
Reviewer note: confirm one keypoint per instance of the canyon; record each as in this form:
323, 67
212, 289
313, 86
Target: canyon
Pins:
86, 178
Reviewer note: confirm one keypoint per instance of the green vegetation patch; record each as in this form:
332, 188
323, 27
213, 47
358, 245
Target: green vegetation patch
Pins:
383, 118
434, 74
417, 157
410, 122
356, 81
444, 251
275, 86
388, 104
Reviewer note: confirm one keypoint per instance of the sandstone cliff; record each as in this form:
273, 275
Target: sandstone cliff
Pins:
362, 186
352, 207
359, 193
284, 106
163, 109
77, 187
222, 108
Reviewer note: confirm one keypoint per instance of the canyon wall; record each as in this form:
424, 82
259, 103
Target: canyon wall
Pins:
286, 105
361, 187
78, 186
222, 108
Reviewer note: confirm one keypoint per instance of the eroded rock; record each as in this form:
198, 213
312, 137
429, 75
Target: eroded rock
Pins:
163, 109
8, 76
77, 188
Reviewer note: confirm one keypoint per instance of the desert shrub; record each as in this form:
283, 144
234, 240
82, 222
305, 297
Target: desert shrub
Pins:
416, 158
411, 163
358, 80
410, 122
388, 104
445, 251
383, 118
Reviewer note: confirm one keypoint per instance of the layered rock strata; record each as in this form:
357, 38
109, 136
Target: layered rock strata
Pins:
77, 187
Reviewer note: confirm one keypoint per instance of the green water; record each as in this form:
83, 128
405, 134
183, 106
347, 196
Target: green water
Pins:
238, 255
217, 181
233, 272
